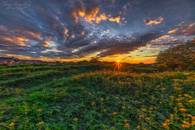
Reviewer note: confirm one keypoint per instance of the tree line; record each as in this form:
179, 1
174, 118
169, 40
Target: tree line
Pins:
181, 57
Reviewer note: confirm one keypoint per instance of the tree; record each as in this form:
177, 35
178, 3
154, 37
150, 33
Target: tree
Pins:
181, 57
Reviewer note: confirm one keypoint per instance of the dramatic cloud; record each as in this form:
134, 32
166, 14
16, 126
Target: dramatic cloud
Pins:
154, 21
83, 29
94, 16
184, 29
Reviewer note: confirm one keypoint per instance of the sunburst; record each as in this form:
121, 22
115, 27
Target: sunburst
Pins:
117, 65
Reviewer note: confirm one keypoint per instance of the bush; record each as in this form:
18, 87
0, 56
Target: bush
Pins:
181, 57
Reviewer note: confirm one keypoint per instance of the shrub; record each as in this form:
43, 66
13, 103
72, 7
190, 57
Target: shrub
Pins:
181, 57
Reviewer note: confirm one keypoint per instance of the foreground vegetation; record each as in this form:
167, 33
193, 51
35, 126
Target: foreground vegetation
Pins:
93, 97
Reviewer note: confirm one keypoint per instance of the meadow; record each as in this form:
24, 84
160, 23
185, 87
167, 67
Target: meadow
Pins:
92, 96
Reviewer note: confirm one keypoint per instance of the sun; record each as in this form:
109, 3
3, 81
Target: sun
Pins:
117, 65
118, 61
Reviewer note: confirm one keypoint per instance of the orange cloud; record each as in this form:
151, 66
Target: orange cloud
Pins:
94, 16
184, 30
173, 31
47, 42
18, 40
154, 21
164, 39
33, 35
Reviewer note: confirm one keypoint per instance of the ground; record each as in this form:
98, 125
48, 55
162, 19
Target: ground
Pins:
91, 96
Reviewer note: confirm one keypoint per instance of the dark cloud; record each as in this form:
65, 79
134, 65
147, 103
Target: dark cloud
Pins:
71, 28
113, 46
156, 21
184, 29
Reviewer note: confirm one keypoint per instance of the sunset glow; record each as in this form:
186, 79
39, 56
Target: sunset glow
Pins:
132, 31
94, 16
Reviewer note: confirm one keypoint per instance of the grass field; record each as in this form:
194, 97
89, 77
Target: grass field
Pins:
94, 97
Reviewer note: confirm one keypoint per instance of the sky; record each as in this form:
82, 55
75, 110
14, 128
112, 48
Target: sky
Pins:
132, 31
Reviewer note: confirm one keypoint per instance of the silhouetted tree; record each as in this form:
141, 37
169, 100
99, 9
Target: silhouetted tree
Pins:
181, 57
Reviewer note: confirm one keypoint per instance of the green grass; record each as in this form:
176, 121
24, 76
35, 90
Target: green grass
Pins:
93, 97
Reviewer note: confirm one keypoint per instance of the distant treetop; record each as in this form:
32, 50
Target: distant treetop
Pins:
181, 57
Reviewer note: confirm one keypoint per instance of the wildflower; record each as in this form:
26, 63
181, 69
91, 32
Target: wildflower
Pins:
188, 115
185, 124
182, 110
180, 104
179, 99
187, 95
166, 123
177, 88
191, 101
193, 123
193, 120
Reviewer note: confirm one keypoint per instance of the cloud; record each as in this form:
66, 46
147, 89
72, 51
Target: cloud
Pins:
18, 40
78, 28
184, 29
94, 15
164, 39
154, 21
107, 47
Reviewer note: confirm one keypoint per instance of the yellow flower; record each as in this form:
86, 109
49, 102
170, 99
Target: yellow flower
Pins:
179, 99
193, 120
188, 115
185, 125
182, 110
166, 123
187, 95
193, 123
177, 88
180, 104
191, 101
